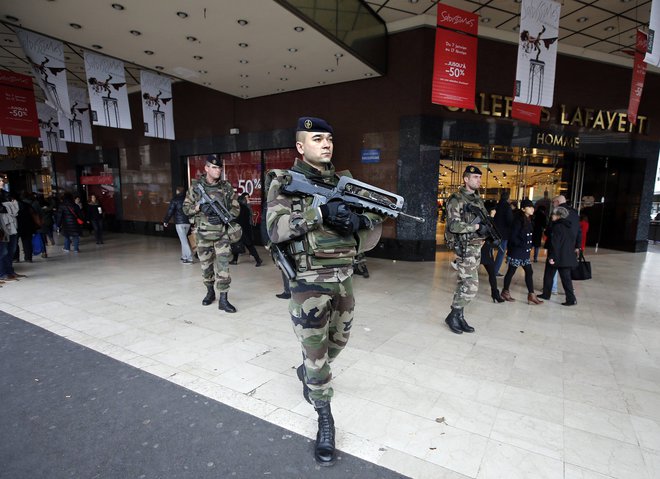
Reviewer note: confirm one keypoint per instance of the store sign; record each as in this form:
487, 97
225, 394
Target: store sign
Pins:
370, 155
555, 139
639, 73
97, 180
455, 61
18, 109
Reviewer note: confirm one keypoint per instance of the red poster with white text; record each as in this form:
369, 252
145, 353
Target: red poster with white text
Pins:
455, 62
529, 113
18, 109
639, 73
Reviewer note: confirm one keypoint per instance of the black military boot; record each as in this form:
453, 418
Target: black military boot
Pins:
324, 449
453, 320
464, 325
300, 372
210, 295
224, 304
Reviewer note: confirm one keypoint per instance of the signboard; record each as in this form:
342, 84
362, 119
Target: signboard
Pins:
157, 108
455, 62
18, 109
639, 73
653, 50
108, 95
370, 155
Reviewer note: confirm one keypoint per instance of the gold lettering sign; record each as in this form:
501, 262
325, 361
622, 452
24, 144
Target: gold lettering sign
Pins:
553, 139
580, 117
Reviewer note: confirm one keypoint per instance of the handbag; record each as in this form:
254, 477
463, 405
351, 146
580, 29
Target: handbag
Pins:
78, 220
583, 269
37, 244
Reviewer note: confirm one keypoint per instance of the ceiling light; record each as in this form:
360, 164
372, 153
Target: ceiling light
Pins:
191, 38
98, 47
182, 14
413, 1
11, 19
198, 57
117, 6
284, 79
158, 67
244, 86
609, 29
9, 40
206, 83
244, 75
148, 52
516, 28
242, 22
293, 50
289, 67
582, 19
321, 83
299, 29
203, 72
329, 70
243, 61
243, 45
339, 55
280, 90
136, 33
75, 26
485, 20
368, 74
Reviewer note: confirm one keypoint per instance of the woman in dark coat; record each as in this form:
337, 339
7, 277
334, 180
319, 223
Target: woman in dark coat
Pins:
520, 245
561, 256
488, 262
245, 220
69, 222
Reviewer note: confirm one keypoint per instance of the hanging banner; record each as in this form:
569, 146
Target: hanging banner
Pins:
107, 91
18, 109
529, 113
537, 52
653, 48
46, 58
49, 129
157, 108
639, 73
10, 141
77, 127
455, 61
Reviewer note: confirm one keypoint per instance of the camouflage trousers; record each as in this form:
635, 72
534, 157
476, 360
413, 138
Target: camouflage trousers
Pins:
322, 316
214, 258
468, 276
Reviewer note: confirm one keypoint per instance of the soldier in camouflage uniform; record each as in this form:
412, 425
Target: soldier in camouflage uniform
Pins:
466, 236
322, 242
213, 237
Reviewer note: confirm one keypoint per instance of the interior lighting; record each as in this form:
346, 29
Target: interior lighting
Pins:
582, 19
242, 22
329, 70
190, 38
158, 67
299, 29
197, 57
243, 45
11, 18
182, 14
117, 6
243, 61
485, 20
75, 26
293, 50
136, 33
609, 29
148, 52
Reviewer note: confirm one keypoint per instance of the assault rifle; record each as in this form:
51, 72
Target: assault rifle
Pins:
485, 219
283, 261
352, 192
217, 209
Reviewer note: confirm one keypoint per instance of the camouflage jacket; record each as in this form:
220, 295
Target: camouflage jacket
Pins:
224, 193
319, 252
460, 221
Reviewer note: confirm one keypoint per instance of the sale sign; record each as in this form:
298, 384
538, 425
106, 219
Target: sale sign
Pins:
529, 113
455, 62
639, 73
18, 109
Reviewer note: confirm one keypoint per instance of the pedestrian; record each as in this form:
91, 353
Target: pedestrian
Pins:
9, 232
539, 223
69, 222
208, 196
561, 256
322, 242
466, 236
245, 220
181, 223
503, 221
95, 217
488, 262
519, 250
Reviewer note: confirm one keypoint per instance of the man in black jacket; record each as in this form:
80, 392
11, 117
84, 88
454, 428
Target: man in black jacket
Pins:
503, 221
182, 223
573, 218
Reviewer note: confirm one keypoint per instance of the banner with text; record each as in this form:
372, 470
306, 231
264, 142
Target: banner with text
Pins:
18, 108
455, 60
157, 108
46, 58
529, 113
49, 129
108, 94
77, 128
653, 48
537, 52
639, 73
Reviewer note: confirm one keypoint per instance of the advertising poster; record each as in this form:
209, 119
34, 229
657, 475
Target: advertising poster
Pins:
107, 91
46, 58
529, 113
653, 49
455, 60
18, 108
49, 129
639, 73
537, 52
77, 127
157, 108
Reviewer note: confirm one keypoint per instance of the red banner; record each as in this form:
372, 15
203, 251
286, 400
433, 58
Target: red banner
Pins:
18, 109
639, 72
455, 62
529, 113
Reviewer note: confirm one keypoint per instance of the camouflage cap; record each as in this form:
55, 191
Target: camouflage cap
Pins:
308, 123
471, 170
213, 160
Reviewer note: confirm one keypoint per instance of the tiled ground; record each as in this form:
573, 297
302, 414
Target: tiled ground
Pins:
537, 392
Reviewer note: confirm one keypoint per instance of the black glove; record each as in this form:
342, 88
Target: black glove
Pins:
210, 213
484, 230
339, 217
